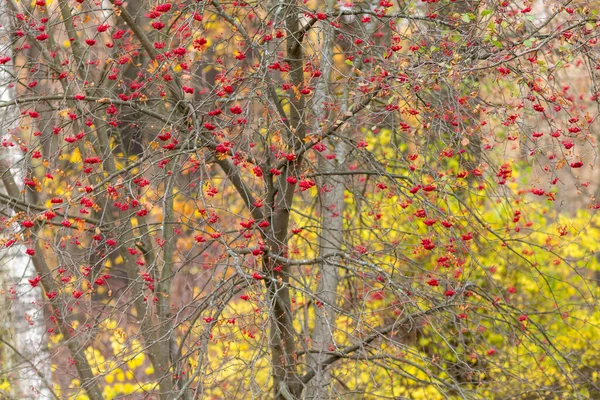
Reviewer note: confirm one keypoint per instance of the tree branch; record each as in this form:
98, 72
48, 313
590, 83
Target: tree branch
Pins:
351, 349
36, 369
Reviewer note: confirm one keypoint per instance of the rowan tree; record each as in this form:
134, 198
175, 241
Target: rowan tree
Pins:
299, 199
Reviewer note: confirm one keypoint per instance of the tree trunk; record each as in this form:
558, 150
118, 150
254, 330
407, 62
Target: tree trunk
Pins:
330, 240
27, 318
283, 337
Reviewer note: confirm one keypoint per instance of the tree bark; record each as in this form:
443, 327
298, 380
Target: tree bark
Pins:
330, 240
282, 336
27, 317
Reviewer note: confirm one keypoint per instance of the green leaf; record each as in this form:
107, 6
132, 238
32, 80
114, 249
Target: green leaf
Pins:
486, 12
465, 18
528, 43
497, 44
350, 63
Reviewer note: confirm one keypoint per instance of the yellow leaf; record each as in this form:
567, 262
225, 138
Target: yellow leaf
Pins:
152, 67
75, 157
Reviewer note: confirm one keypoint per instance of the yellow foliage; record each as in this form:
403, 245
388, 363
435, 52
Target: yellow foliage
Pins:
75, 157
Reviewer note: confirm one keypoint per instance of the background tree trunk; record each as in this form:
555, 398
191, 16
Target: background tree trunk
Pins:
331, 205
27, 324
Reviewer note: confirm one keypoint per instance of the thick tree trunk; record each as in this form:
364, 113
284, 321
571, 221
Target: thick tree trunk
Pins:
283, 337
330, 240
30, 358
